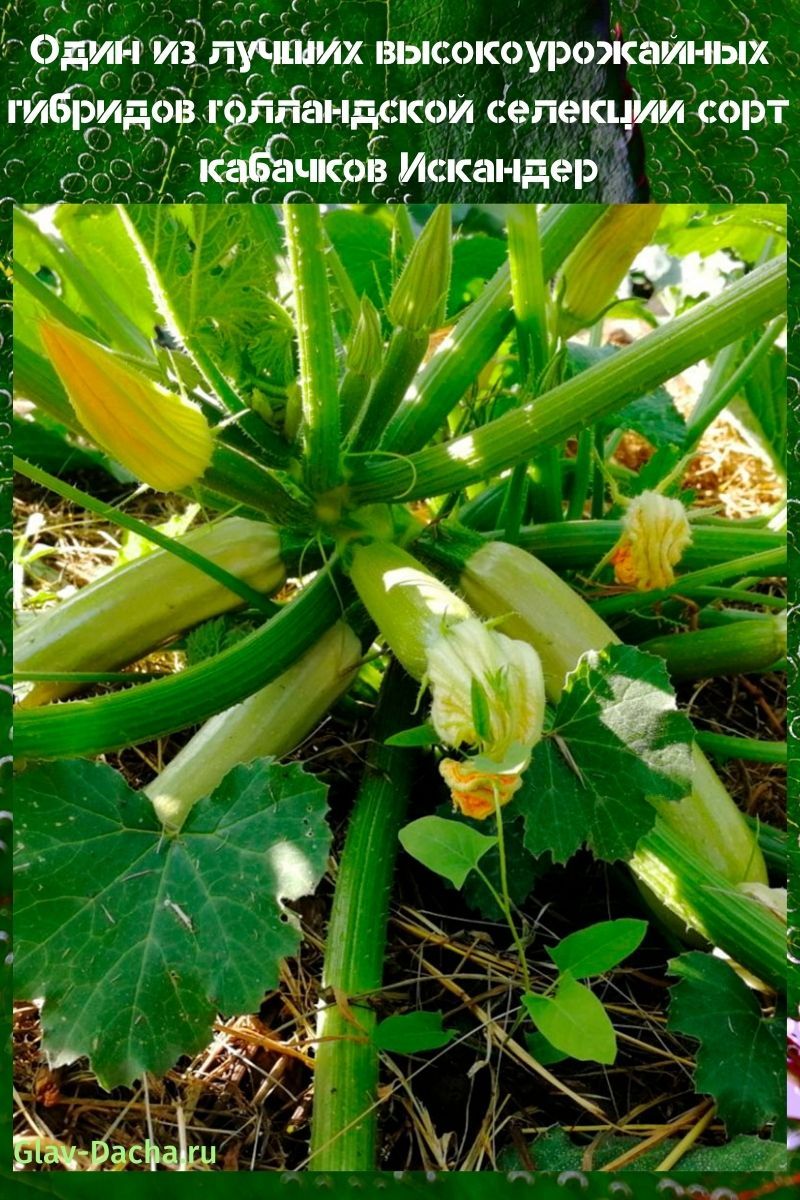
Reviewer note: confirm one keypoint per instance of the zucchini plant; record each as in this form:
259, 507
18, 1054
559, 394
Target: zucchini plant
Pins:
420, 438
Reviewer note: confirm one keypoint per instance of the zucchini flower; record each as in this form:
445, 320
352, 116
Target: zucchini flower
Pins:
600, 261
161, 438
487, 690
473, 791
655, 534
487, 695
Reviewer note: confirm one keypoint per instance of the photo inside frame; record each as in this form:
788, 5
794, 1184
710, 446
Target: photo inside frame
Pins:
400, 667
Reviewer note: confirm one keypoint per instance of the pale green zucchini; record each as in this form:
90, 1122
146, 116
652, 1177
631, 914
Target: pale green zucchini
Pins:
271, 722
135, 608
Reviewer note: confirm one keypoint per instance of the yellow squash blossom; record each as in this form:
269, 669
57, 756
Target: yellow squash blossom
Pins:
161, 438
487, 689
655, 534
469, 655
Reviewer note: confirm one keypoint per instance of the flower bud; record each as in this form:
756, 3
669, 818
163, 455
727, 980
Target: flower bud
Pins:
365, 349
655, 534
161, 438
598, 264
417, 302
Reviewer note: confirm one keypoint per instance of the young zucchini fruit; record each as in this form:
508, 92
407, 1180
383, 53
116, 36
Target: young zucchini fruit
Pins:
271, 722
135, 608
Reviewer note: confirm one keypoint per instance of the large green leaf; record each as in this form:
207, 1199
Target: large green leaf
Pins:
746, 229
556, 1151
135, 941
740, 1061
475, 259
556, 806
622, 743
364, 245
217, 265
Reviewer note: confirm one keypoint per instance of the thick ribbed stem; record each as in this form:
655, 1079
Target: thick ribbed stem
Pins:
766, 562
582, 400
574, 545
529, 297
319, 375
477, 335
344, 1120
81, 728
704, 899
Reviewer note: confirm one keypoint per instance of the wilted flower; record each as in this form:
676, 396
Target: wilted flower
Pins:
474, 791
655, 534
161, 438
487, 689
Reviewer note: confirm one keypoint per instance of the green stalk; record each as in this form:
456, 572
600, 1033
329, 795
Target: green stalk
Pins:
751, 646
722, 745
319, 377
582, 477
577, 545
477, 335
239, 477
529, 299
406, 351
580, 401
740, 595
180, 549
81, 728
713, 402
514, 503
766, 562
528, 290
416, 309
705, 900
344, 1119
